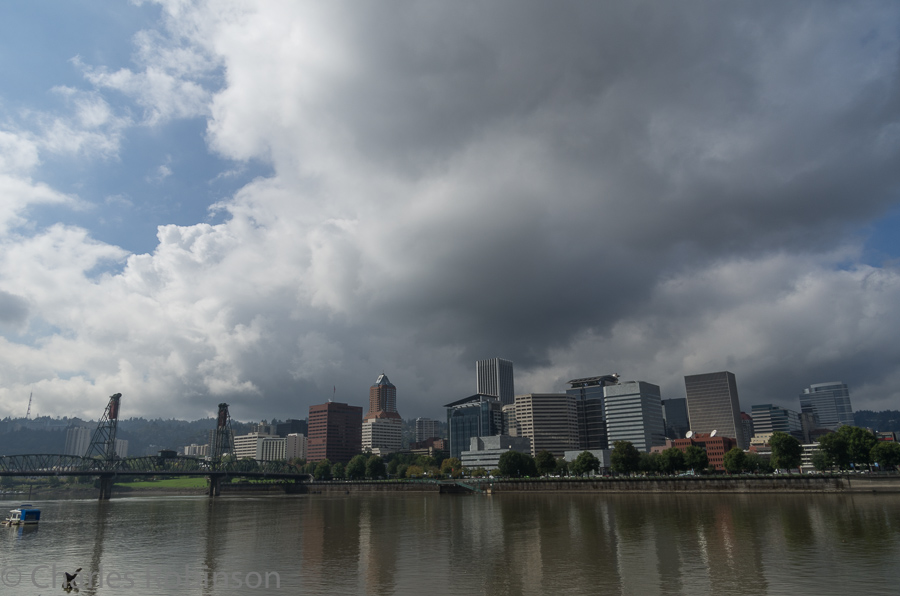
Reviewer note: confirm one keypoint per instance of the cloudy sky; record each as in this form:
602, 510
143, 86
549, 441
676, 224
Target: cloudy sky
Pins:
270, 203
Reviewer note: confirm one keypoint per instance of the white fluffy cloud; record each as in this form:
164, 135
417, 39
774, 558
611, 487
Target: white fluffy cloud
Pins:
658, 191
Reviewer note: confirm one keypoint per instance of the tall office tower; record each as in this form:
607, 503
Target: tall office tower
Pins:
712, 401
383, 396
382, 427
495, 377
335, 432
588, 394
747, 425
809, 423
474, 416
675, 417
550, 420
295, 446
830, 402
78, 439
510, 424
768, 418
425, 429
292, 426
633, 412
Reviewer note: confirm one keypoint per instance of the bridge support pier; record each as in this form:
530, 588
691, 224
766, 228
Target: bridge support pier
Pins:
106, 484
215, 485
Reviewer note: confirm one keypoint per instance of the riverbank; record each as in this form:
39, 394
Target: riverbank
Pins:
847, 483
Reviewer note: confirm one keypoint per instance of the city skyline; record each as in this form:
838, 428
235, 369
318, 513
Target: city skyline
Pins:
265, 203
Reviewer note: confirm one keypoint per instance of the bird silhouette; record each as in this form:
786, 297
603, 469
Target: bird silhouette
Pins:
70, 579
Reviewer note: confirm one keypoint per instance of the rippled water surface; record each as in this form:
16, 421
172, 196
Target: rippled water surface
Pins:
446, 544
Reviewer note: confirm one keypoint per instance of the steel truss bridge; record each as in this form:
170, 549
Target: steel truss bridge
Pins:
73, 465
108, 470
101, 461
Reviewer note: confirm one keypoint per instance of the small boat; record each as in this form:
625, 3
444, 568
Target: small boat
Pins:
25, 514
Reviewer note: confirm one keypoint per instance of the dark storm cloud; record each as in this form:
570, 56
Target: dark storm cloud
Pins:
656, 189
554, 165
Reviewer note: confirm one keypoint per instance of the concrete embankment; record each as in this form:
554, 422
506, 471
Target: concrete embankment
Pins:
688, 484
711, 484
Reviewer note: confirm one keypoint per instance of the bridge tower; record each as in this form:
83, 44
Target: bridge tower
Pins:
103, 441
223, 442
103, 444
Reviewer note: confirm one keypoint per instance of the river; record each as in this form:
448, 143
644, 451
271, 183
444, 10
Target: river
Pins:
410, 543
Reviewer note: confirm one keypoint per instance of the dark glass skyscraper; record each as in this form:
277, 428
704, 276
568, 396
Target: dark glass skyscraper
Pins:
588, 394
830, 402
474, 416
712, 401
675, 415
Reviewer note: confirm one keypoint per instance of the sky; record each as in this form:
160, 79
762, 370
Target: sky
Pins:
271, 203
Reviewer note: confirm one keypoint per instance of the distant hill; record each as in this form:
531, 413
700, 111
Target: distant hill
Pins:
886, 420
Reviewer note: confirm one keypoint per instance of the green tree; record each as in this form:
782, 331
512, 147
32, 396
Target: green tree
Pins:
337, 470
886, 454
695, 458
452, 466
787, 451
562, 467
624, 458
414, 471
755, 463
356, 469
392, 466
649, 463
821, 461
834, 448
545, 462
515, 465
735, 460
859, 444
584, 463
375, 468
671, 460
323, 470
402, 469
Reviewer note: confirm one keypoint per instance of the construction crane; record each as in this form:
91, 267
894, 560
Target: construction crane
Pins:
28, 413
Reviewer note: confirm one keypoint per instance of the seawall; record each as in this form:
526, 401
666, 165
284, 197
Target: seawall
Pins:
850, 483
711, 484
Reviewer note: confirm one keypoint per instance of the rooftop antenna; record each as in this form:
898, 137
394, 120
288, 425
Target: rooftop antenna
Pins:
713, 433
333, 392
689, 434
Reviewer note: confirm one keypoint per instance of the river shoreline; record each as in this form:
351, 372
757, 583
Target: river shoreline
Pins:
822, 484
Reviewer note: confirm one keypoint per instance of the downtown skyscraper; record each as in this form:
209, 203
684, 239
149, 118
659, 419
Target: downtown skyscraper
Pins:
830, 402
495, 377
713, 405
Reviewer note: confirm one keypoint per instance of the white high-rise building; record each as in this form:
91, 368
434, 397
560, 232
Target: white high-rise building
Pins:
384, 434
260, 447
425, 429
495, 377
121, 448
295, 446
78, 439
830, 402
633, 412
550, 420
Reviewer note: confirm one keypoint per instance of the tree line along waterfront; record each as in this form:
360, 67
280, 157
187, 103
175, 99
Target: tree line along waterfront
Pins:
849, 448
